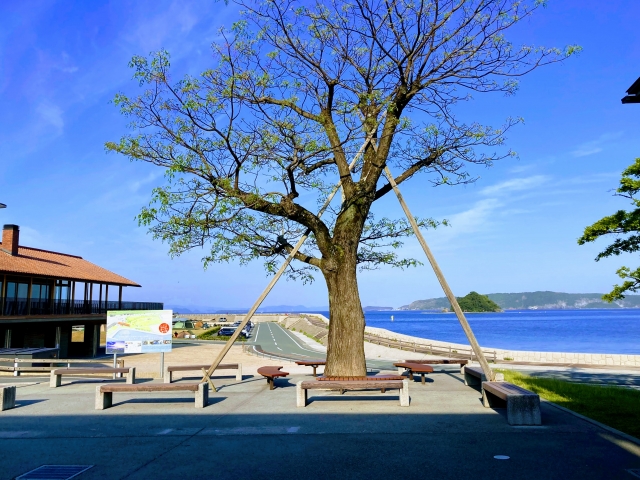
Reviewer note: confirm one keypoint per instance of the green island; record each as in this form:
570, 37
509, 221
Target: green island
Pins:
474, 302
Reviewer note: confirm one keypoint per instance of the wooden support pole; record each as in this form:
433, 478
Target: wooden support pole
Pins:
443, 282
120, 297
278, 274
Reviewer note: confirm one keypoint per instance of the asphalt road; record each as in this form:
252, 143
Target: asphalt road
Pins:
275, 339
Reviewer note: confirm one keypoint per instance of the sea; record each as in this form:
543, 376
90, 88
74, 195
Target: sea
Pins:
579, 331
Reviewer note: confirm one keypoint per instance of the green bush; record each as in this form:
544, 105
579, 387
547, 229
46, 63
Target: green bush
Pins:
210, 334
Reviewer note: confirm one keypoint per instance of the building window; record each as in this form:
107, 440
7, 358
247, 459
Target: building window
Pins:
16, 298
77, 333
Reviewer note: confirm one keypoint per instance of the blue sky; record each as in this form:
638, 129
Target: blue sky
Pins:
514, 230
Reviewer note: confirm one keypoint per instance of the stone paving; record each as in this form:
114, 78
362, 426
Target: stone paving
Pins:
247, 431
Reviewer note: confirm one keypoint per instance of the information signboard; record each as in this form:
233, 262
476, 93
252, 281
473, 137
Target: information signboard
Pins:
139, 331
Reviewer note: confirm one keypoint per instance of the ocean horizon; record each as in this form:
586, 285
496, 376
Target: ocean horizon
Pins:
615, 331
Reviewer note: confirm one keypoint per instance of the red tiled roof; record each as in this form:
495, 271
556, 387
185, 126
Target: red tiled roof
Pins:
33, 261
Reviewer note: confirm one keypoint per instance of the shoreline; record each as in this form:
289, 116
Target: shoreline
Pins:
605, 359
599, 359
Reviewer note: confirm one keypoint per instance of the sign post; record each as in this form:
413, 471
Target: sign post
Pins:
139, 331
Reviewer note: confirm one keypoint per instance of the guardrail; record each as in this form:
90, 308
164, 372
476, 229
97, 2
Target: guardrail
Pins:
16, 369
415, 347
431, 349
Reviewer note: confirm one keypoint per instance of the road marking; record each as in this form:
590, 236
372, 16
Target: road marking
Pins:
179, 432
296, 342
249, 431
19, 434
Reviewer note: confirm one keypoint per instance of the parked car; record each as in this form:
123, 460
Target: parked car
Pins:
228, 331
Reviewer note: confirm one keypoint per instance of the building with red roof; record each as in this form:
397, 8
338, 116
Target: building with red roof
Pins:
44, 295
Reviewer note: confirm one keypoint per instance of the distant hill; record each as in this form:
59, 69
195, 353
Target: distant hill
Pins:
377, 309
262, 309
536, 300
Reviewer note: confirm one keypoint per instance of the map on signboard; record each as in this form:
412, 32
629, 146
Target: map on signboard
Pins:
139, 331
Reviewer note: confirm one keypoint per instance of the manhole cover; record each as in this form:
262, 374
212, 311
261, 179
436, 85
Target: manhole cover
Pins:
635, 472
54, 472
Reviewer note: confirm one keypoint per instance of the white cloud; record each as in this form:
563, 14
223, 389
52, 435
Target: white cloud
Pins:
135, 185
154, 32
475, 218
515, 185
51, 115
595, 146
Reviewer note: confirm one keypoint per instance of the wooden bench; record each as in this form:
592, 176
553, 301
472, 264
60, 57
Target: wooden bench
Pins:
271, 373
168, 370
365, 384
104, 393
56, 374
523, 406
7, 397
312, 363
360, 379
441, 361
474, 376
411, 368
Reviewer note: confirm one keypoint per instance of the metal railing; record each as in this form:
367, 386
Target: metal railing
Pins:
54, 363
415, 347
24, 306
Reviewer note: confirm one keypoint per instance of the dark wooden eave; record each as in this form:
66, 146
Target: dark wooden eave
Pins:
633, 93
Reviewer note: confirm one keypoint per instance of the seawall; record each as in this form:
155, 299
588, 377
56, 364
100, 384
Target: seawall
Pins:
604, 359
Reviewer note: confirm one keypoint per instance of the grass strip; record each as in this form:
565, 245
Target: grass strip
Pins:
617, 407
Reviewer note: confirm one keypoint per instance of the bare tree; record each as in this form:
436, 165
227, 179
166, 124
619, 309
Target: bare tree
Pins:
251, 146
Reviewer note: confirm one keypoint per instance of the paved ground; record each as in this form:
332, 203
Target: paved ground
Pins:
250, 432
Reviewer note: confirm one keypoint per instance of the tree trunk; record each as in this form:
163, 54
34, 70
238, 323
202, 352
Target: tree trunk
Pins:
345, 351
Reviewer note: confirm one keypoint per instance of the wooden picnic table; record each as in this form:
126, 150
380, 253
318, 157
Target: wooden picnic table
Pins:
312, 363
412, 368
441, 361
271, 373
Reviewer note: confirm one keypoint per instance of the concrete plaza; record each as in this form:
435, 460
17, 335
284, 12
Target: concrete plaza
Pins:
249, 432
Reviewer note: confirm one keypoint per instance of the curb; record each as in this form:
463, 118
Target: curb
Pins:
620, 434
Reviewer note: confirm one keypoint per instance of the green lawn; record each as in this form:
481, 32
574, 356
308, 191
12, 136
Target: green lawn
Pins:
617, 407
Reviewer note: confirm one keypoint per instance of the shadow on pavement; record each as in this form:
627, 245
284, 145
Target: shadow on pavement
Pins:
313, 443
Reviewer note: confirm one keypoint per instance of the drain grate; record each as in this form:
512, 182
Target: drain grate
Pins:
635, 472
54, 472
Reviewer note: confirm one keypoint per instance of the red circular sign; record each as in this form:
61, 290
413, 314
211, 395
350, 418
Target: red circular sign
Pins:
164, 328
